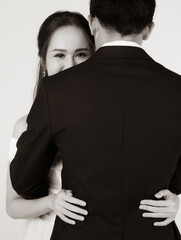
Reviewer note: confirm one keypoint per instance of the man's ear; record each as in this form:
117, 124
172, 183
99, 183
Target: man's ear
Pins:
148, 30
92, 24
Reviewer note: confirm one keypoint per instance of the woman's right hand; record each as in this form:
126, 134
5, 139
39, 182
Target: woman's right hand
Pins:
62, 204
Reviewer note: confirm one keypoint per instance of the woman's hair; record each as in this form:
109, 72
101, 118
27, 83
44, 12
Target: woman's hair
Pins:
49, 26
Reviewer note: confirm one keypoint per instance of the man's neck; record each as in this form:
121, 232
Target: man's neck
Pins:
103, 38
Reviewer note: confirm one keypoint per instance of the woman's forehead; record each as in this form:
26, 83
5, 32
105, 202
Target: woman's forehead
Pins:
68, 36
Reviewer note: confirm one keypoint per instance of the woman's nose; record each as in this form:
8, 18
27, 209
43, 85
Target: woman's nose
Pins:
70, 62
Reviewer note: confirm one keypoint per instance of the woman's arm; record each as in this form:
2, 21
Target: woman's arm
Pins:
19, 208
16, 206
62, 204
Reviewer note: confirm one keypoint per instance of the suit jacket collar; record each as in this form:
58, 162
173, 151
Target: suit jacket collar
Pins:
121, 52
122, 43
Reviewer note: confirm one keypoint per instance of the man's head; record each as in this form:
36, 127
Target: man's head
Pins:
124, 17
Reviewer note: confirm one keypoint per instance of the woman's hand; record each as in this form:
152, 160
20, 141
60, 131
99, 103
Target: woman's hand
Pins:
167, 208
62, 204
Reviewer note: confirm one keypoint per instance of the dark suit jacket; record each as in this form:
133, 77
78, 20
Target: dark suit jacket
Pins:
117, 121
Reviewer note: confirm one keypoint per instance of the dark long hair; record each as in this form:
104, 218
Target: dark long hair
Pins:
49, 26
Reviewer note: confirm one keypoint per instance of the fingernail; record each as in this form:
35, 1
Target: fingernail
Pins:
82, 218
144, 215
140, 207
142, 202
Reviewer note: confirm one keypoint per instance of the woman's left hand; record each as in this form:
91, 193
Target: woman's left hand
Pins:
166, 209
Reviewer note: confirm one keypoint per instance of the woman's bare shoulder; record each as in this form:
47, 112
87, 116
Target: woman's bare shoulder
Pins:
19, 127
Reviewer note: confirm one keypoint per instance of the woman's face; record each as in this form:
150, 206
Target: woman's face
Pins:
68, 47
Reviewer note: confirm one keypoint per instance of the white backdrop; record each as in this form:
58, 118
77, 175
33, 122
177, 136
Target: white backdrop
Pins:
19, 24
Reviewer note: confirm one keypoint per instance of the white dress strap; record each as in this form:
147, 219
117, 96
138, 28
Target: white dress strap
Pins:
12, 149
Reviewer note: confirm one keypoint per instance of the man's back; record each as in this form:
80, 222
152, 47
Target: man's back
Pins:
116, 118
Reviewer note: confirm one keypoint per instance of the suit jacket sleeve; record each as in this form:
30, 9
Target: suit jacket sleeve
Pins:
35, 151
175, 184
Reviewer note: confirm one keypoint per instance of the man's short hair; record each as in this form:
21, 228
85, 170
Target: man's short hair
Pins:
124, 16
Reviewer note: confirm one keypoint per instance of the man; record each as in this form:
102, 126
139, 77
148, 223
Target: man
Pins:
117, 120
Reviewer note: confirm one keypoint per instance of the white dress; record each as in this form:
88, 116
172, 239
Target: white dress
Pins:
40, 228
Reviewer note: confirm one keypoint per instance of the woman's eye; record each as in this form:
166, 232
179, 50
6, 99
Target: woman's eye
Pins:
81, 55
59, 55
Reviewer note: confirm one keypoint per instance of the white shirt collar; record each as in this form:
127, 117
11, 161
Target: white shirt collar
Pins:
121, 43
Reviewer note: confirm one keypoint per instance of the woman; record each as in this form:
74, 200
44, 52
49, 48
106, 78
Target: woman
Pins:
65, 40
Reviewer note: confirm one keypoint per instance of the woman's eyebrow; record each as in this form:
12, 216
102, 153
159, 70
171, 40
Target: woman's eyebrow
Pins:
81, 49
63, 50
58, 50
